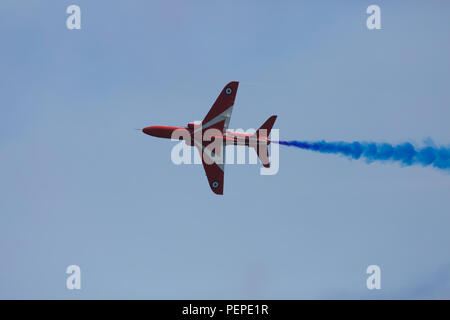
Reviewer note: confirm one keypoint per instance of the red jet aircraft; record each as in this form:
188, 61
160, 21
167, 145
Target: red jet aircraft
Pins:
212, 135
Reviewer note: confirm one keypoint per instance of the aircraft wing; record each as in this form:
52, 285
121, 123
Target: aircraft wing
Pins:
214, 167
217, 118
219, 115
215, 175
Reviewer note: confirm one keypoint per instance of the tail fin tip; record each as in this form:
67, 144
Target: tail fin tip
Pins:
268, 125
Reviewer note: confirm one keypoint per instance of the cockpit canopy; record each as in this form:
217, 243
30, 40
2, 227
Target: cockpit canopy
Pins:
192, 125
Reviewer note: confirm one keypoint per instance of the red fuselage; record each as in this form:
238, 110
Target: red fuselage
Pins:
230, 138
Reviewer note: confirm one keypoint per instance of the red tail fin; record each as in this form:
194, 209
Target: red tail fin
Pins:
262, 149
266, 126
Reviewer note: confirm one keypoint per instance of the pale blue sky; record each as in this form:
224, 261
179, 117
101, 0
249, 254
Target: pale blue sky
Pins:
79, 186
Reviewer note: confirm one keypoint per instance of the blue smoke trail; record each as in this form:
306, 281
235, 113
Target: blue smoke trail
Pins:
406, 154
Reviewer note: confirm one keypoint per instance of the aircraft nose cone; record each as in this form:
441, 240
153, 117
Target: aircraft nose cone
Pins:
157, 131
149, 131
160, 131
